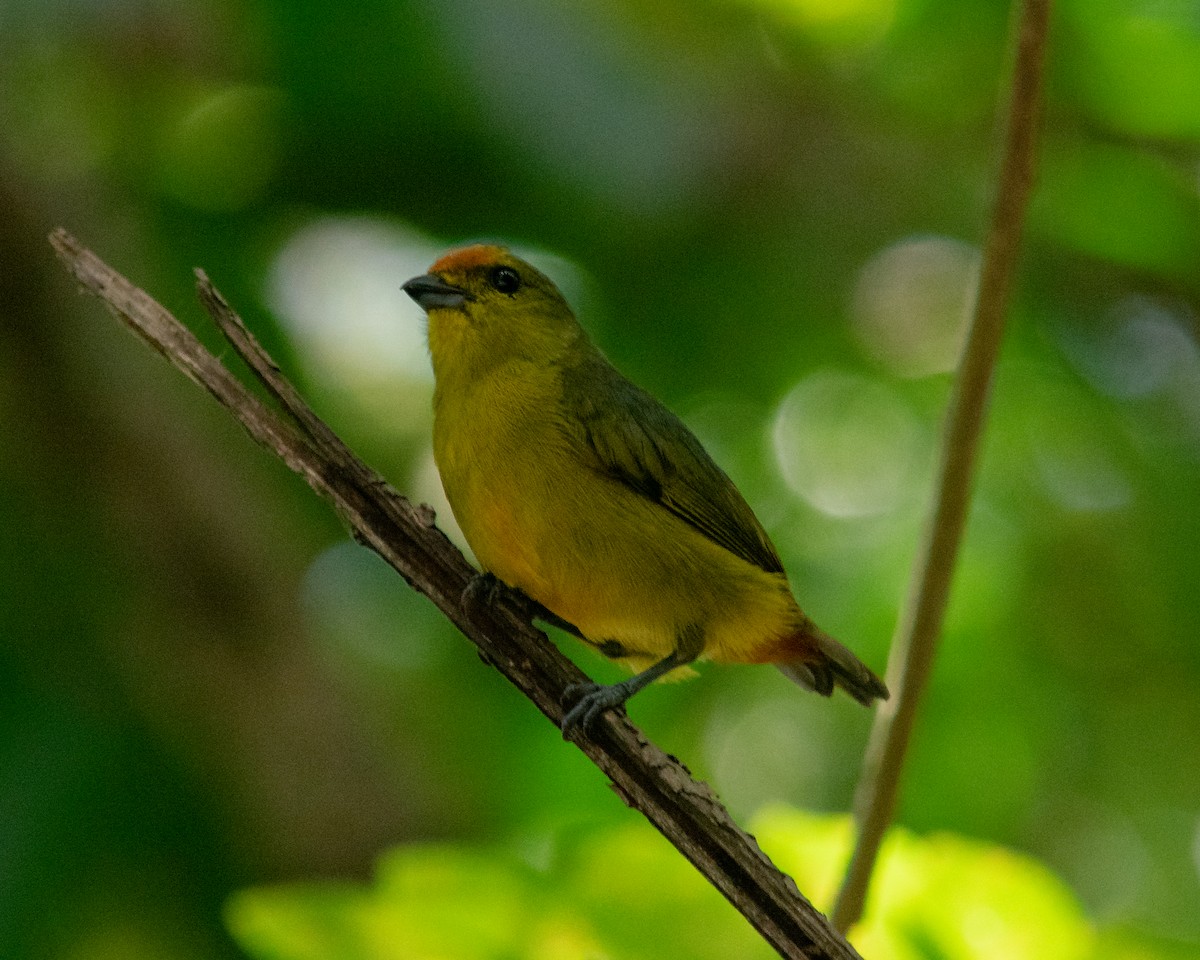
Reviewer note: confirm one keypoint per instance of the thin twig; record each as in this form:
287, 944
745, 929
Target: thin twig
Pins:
920, 624
684, 810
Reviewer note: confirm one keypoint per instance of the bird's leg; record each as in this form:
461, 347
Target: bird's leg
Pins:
538, 612
595, 698
484, 589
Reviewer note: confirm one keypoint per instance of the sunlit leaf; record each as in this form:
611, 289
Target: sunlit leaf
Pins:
625, 893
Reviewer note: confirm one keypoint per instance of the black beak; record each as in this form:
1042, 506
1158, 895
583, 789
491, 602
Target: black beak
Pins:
433, 293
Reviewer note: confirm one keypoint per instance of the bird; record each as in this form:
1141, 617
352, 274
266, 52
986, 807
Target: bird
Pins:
582, 491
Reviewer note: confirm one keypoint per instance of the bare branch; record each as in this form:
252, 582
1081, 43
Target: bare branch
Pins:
684, 810
920, 624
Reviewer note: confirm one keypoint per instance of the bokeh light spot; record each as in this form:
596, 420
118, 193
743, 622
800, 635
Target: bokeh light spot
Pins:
336, 283
755, 755
911, 303
1146, 349
847, 444
223, 153
1073, 454
1107, 861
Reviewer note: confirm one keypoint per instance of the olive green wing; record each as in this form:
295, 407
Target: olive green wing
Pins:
625, 434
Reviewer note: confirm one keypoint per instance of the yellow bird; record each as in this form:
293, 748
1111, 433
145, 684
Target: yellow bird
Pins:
580, 489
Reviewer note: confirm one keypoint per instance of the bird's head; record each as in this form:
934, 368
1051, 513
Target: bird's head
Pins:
484, 305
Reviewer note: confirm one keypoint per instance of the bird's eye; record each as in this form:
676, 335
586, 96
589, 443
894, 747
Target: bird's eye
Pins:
505, 279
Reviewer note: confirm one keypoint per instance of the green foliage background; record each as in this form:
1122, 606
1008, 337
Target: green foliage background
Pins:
768, 213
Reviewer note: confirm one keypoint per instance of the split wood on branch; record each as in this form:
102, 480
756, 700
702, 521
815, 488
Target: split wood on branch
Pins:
915, 644
684, 810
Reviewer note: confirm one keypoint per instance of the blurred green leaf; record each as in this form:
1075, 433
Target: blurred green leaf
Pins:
935, 896
1135, 65
428, 902
624, 893
1121, 205
225, 149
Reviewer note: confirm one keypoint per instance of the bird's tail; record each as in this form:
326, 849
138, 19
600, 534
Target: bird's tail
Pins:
830, 664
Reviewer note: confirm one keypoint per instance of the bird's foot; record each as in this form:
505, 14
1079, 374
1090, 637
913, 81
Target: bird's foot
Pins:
591, 700
480, 594
484, 590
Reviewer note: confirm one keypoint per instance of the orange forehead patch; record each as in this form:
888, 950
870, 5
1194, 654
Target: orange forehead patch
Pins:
476, 255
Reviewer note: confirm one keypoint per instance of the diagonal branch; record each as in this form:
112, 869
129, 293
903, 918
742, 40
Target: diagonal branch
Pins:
920, 623
684, 810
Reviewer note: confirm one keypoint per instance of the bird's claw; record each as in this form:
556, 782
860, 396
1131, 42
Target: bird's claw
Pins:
591, 700
484, 590
480, 594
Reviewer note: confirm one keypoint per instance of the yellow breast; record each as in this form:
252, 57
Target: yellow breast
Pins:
608, 560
